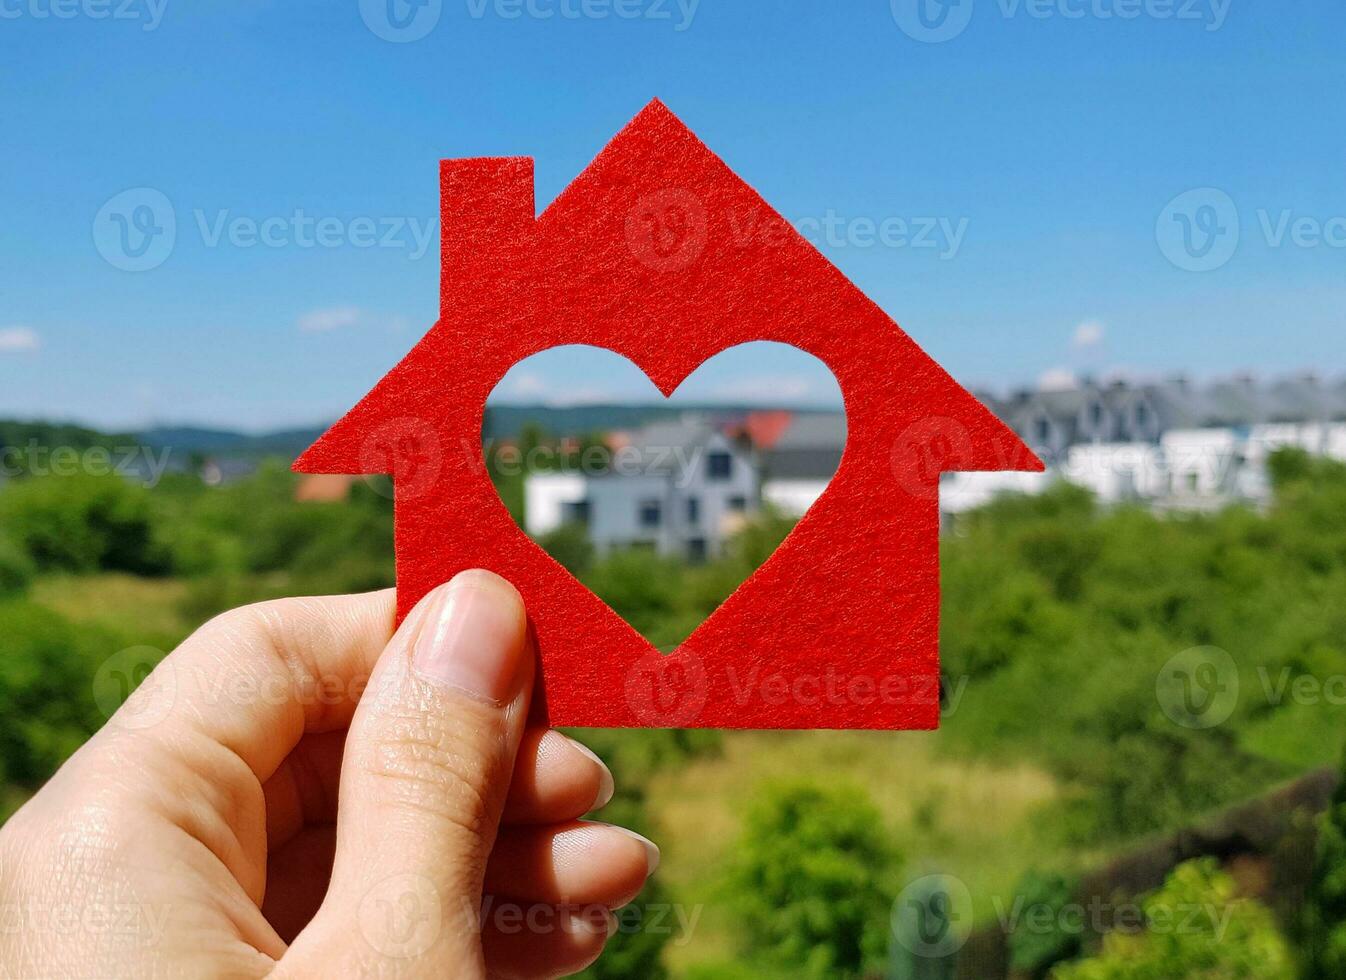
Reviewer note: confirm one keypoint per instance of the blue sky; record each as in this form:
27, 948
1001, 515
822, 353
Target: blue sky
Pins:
1019, 196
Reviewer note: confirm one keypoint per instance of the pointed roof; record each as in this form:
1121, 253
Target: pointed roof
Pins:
660, 252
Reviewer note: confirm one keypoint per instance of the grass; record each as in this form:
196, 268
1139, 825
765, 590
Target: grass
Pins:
977, 821
148, 610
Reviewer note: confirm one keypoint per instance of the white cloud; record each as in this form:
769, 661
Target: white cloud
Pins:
18, 340
771, 388
528, 385
1088, 335
330, 318
1057, 379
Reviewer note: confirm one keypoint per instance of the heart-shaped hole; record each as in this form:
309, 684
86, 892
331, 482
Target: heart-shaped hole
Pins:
662, 507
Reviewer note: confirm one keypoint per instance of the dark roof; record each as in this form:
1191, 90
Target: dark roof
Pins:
801, 464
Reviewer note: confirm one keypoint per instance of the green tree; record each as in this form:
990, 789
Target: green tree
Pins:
82, 524
569, 544
1324, 913
16, 568
46, 690
811, 883
1033, 951
1196, 929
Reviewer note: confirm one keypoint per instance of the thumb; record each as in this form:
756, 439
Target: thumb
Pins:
426, 770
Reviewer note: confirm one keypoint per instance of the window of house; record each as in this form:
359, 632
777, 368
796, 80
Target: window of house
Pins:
719, 466
696, 549
575, 512
1044, 431
738, 503
1142, 416
693, 510
650, 513
1096, 415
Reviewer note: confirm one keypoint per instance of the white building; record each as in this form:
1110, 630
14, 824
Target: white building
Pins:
679, 488
1117, 472
962, 492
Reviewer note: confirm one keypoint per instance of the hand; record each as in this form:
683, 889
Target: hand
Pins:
255, 808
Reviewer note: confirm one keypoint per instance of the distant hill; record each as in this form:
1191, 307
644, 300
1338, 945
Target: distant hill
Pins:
223, 442
20, 435
501, 422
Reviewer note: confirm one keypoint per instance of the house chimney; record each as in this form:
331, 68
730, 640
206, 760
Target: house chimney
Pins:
486, 212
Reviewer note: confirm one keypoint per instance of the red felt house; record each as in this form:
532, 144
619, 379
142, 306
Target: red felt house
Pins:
659, 252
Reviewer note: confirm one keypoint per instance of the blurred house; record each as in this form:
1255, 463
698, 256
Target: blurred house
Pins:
1172, 444
679, 488
798, 459
323, 488
222, 470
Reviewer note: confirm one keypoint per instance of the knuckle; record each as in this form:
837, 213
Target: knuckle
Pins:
444, 766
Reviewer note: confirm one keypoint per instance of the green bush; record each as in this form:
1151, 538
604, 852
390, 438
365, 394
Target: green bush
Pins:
1196, 927
46, 689
82, 524
16, 569
569, 544
811, 882
1033, 951
1323, 923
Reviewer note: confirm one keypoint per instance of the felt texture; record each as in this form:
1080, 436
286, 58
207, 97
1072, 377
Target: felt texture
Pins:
660, 253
